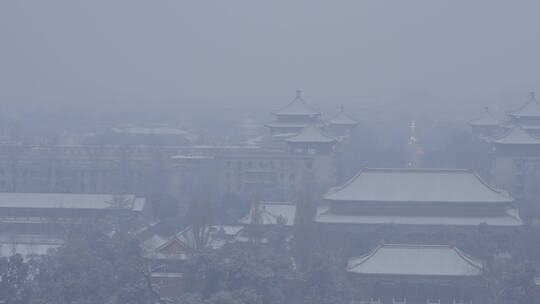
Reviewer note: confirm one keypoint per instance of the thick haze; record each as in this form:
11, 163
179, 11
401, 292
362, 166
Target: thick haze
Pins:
256, 53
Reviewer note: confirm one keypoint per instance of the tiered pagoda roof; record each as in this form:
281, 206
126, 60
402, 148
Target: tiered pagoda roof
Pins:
486, 120
416, 260
311, 134
517, 136
271, 213
297, 107
529, 109
343, 119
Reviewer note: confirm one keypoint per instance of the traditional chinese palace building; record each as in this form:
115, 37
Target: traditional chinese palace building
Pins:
404, 273
516, 150
416, 201
294, 117
486, 125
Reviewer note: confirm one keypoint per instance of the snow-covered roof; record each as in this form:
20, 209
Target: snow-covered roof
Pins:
155, 130
416, 260
311, 134
158, 247
417, 185
508, 219
529, 109
290, 125
343, 119
70, 201
180, 245
27, 245
297, 107
517, 136
271, 213
486, 120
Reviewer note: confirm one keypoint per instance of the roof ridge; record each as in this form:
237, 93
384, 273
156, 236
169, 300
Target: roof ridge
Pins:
486, 114
532, 100
407, 169
409, 245
299, 98
344, 114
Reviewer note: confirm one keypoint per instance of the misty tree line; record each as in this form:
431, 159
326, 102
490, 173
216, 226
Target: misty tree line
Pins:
104, 264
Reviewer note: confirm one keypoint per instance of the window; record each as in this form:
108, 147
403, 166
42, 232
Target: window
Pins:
518, 166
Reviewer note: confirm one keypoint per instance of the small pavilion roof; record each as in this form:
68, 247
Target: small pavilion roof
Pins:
417, 185
271, 213
311, 134
486, 120
297, 107
517, 136
529, 109
416, 260
343, 119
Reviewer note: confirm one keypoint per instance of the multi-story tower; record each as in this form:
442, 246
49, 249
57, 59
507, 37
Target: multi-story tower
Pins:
341, 125
517, 158
292, 118
486, 125
528, 116
516, 147
312, 142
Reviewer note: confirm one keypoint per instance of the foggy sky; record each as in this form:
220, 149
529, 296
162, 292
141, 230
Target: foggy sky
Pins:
258, 52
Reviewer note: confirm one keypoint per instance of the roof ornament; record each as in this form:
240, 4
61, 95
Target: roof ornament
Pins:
533, 95
298, 92
342, 108
486, 109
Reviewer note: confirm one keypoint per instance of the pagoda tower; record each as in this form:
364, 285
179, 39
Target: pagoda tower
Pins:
341, 125
517, 158
319, 148
486, 125
528, 115
292, 118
